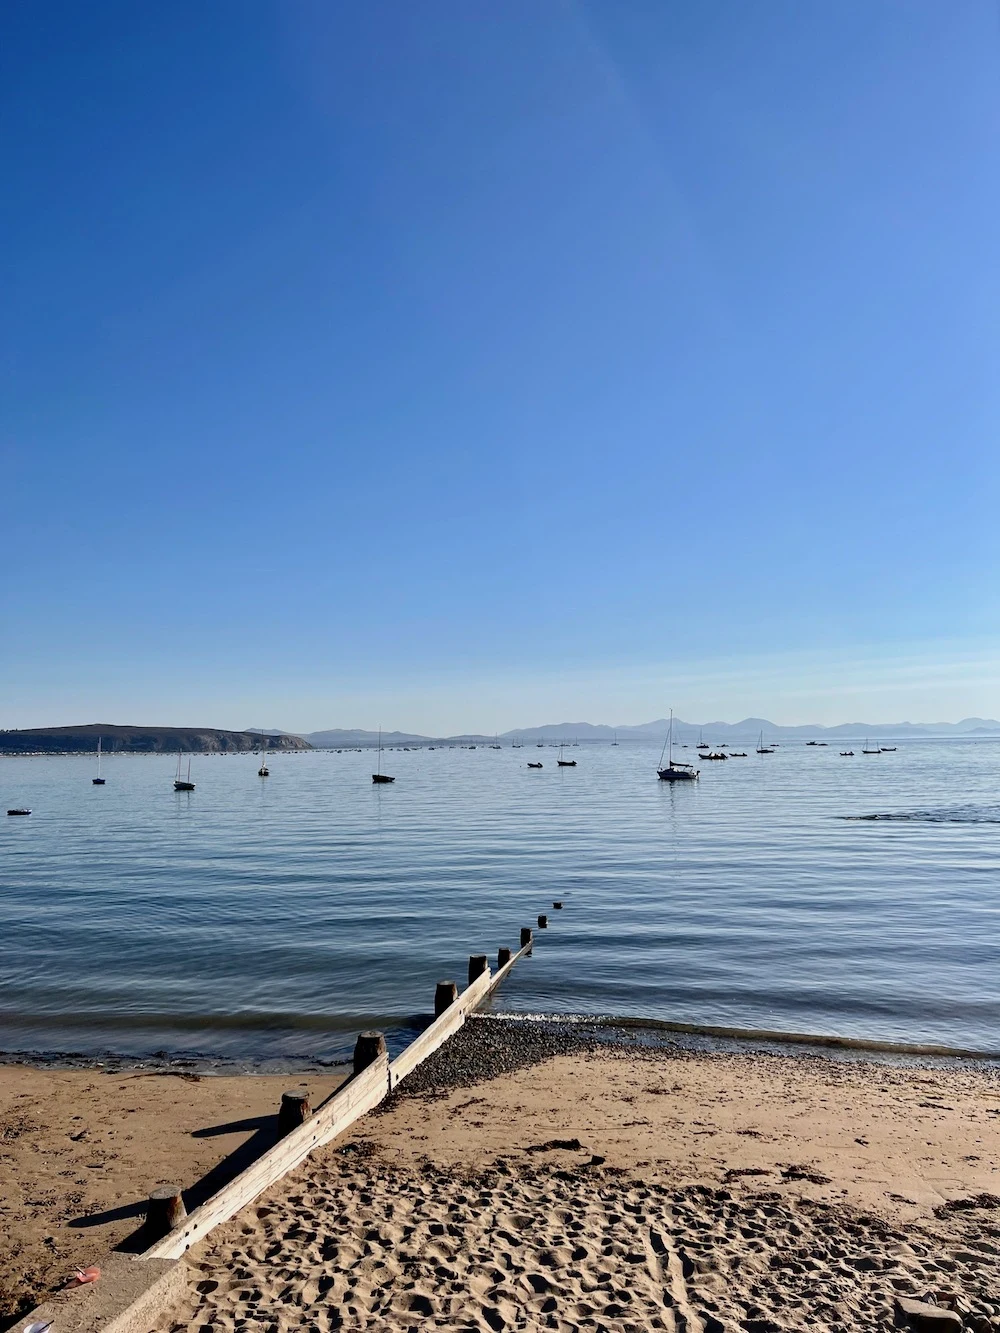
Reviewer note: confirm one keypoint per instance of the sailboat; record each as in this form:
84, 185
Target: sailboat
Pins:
98, 781
380, 776
264, 771
565, 763
866, 750
761, 747
674, 772
702, 744
615, 741
183, 784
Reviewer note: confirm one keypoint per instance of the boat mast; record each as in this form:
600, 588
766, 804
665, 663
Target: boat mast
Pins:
669, 740
378, 767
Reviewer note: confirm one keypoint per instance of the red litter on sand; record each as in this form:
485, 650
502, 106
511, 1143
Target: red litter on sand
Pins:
84, 1275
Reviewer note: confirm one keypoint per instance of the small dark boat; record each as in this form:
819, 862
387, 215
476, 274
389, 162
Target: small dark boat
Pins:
380, 776
98, 781
531, 765
264, 771
19, 812
887, 749
674, 772
737, 754
715, 754
847, 754
565, 763
183, 784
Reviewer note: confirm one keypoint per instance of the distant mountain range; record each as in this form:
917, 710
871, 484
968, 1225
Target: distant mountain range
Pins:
753, 726
748, 729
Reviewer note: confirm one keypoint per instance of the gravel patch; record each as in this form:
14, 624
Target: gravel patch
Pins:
486, 1048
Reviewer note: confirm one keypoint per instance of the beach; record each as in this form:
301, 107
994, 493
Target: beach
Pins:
537, 1177
81, 1149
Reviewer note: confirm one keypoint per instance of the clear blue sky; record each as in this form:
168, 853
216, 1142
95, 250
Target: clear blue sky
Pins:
461, 365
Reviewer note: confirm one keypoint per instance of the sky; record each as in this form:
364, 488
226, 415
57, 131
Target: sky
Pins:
467, 366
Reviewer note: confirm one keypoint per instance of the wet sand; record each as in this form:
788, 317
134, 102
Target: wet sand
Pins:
627, 1189
80, 1150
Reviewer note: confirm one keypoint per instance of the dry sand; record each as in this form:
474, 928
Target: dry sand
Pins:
80, 1151
626, 1191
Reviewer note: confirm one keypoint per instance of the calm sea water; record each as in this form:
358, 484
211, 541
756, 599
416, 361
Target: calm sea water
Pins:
273, 918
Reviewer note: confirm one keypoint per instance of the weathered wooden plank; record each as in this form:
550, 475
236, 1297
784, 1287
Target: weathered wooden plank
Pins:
335, 1115
498, 977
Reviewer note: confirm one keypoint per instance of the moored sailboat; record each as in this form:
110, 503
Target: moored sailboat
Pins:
183, 784
761, 747
565, 763
673, 772
379, 776
98, 781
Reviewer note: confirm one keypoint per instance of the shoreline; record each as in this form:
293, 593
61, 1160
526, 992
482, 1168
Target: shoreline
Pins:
641, 1031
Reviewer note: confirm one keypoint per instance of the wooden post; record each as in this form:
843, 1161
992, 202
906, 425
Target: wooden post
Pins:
557, 906
367, 1049
445, 996
525, 935
543, 921
295, 1110
477, 966
503, 958
164, 1211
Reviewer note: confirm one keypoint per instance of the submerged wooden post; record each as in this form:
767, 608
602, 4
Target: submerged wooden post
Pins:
477, 966
445, 995
525, 935
164, 1211
503, 957
295, 1110
543, 921
367, 1049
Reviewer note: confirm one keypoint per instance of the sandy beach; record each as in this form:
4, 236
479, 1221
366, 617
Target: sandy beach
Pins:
629, 1190
586, 1187
80, 1150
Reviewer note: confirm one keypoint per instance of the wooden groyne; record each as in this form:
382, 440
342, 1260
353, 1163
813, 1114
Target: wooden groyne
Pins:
135, 1289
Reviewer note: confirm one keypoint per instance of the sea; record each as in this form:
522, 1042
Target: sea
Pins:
265, 920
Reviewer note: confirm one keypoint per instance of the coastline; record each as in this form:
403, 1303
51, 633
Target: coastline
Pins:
694, 1143
610, 1029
